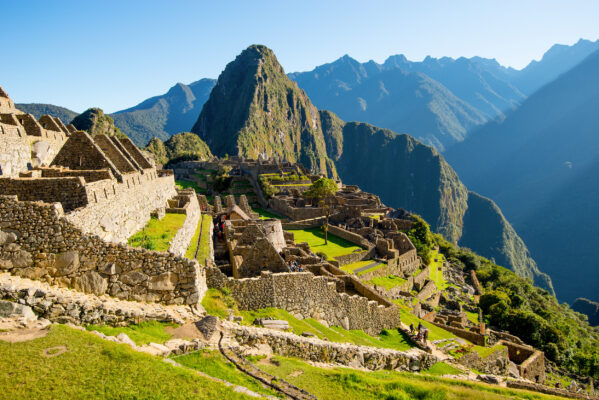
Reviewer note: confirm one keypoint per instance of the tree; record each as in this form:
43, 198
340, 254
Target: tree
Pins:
322, 191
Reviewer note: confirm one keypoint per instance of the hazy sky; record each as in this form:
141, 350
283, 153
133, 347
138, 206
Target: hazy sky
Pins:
114, 54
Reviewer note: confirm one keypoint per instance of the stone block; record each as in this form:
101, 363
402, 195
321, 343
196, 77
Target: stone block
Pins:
164, 282
10, 309
134, 278
91, 282
67, 263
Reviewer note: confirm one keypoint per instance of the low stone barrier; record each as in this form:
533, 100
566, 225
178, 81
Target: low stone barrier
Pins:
68, 306
473, 337
316, 350
180, 242
548, 390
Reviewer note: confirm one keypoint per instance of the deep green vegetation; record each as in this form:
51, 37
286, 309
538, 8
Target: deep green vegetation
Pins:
95, 122
166, 115
265, 214
183, 146
320, 192
93, 368
157, 234
37, 110
514, 304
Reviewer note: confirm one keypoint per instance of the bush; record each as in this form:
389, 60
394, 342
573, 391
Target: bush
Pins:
322, 255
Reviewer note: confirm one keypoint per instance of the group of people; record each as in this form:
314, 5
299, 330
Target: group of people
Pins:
219, 227
421, 332
295, 267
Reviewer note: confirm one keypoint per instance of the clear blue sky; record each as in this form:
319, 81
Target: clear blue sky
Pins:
114, 54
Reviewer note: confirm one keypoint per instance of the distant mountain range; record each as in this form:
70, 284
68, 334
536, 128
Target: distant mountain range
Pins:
541, 165
37, 110
255, 109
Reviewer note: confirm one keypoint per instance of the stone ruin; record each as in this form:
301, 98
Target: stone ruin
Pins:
70, 201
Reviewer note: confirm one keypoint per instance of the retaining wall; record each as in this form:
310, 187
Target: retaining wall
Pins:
307, 296
473, 337
49, 247
182, 239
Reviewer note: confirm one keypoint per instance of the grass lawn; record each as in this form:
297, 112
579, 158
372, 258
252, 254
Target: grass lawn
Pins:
350, 268
388, 282
217, 303
436, 270
185, 184
435, 333
213, 363
264, 214
157, 234
204, 251
349, 384
143, 333
374, 268
315, 238
93, 368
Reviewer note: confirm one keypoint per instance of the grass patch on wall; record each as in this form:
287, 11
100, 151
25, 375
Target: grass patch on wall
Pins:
157, 234
204, 251
350, 268
436, 270
336, 246
93, 368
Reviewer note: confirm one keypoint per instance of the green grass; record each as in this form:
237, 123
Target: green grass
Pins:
264, 214
185, 184
349, 384
143, 333
391, 338
218, 303
350, 268
435, 333
388, 282
485, 352
157, 234
204, 251
315, 237
93, 368
376, 267
436, 270
473, 317
442, 368
213, 363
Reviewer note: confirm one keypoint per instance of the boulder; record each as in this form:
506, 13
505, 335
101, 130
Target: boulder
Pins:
91, 282
7, 238
123, 338
10, 309
134, 278
208, 326
66, 263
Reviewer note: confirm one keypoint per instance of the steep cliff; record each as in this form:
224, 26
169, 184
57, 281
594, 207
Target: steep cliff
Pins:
255, 110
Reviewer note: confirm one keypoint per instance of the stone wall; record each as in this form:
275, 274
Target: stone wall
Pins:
61, 305
180, 242
473, 337
295, 213
419, 279
531, 362
69, 191
118, 210
48, 246
316, 350
307, 296
496, 363
548, 390
350, 236
428, 289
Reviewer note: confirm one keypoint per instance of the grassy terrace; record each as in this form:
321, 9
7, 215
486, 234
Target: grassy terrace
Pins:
315, 238
349, 384
218, 303
143, 333
350, 268
388, 282
204, 250
265, 214
436, 270
157, 234
92, 368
